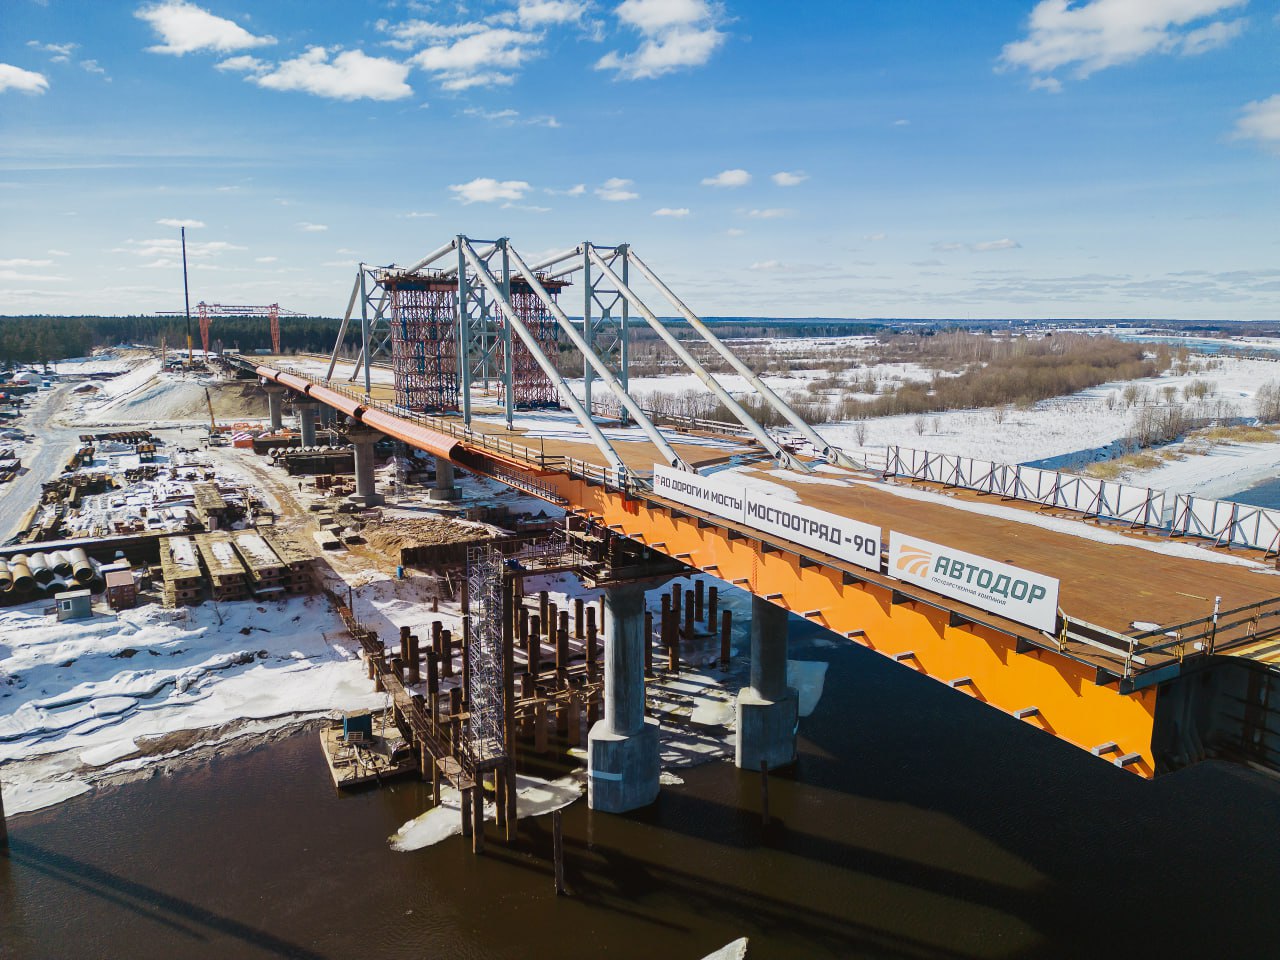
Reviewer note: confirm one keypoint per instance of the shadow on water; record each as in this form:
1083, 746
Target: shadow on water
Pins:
118, 892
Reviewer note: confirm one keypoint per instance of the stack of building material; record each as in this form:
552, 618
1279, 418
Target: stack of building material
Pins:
267, 572
180, 566
228, 579
298, 561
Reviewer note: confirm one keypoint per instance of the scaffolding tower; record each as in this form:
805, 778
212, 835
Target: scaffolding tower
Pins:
485, 741
531, 388
423, 341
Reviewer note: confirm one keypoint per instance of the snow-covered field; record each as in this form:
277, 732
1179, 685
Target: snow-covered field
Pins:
86, 700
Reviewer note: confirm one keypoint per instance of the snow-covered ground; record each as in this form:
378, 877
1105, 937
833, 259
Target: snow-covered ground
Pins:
85, 700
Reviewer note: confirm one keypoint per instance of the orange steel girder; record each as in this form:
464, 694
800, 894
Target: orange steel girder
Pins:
1068, 703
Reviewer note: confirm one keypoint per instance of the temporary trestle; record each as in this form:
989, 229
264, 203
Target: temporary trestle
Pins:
473, 318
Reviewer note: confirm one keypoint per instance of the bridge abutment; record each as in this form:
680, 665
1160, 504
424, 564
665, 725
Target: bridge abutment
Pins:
623, 747
768, 710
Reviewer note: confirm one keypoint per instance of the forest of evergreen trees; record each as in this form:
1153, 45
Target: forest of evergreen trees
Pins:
38, 339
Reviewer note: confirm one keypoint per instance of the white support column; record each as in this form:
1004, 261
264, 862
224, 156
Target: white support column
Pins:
768, 710
622, 757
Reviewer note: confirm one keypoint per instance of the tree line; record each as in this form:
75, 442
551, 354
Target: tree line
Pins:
41, 339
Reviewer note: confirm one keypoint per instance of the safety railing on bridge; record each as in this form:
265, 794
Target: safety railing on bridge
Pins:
1224, 522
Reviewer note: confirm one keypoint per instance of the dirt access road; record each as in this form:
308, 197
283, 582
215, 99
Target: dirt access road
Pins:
42, 459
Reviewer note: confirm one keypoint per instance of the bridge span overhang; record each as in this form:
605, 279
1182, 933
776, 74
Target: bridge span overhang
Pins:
1147, 721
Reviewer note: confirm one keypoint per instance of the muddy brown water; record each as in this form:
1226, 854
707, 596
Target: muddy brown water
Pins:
917, 824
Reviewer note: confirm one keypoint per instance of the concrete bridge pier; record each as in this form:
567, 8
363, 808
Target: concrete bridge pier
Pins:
363, 438
275, 405
622, 766
307, 421
446, 487
768, 710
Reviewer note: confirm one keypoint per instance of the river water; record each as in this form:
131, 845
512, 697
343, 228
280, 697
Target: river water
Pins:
917, 824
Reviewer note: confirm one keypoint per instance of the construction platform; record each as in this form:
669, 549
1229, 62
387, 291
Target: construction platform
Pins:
372, 754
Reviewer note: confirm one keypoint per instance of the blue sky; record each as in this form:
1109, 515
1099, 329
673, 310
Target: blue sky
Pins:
1011, 158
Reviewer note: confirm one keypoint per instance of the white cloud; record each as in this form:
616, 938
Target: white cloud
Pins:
1052, 84
58, 253
61, 52
793, 178
508, 117
313, 227
770, 213
245, 63
171, 247
24, 81
1260, 120
92, 66
577, 190
986, 246
186, 28
416, 215
728, 178
876, 237
734, 232
487, 190
616, 189
537, 13
1103, 33
901, 123
24, 262
480, 58
676, 34
171, 222
768, 265
677, 212
265, 259
412, 33
352, 75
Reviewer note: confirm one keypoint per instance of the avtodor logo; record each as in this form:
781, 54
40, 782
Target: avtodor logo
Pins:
914, 561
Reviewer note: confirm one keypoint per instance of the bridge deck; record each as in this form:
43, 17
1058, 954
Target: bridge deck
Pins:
1111, 584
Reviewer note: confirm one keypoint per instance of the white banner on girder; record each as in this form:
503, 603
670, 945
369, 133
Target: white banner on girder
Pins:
1021, 595
839, 536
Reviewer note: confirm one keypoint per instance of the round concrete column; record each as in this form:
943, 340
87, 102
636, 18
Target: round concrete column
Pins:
275, 405
622, 757
445, 486
768, 711
307, 422
363, 438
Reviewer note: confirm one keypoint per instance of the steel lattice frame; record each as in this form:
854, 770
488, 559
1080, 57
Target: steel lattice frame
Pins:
484, 733
606, 317
424, 343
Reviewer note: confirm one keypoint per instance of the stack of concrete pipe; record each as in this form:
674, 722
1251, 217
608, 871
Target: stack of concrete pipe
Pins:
47, 573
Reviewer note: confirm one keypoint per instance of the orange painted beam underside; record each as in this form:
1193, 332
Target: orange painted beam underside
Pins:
1070, 704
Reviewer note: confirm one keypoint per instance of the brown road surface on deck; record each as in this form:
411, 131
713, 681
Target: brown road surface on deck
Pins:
1111, 585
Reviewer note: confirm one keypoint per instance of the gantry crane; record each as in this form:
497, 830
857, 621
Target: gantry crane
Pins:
208, 311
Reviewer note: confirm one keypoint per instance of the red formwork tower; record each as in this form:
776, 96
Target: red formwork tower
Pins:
531, 386
424, 351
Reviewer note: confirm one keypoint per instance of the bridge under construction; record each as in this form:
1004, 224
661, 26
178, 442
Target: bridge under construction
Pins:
1088, 611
